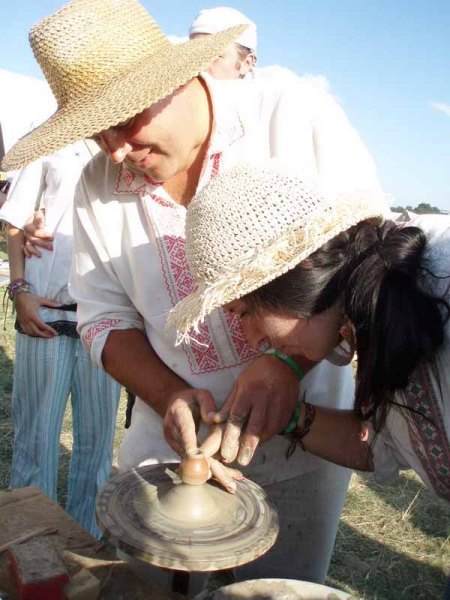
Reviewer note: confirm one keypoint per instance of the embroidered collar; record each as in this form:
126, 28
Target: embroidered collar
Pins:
133, 182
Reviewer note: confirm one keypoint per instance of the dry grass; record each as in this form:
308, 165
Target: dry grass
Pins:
393, 541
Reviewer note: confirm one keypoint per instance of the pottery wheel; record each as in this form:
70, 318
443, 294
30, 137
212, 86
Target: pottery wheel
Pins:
151, 515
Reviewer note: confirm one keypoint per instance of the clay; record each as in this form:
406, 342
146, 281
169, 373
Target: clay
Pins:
191, 503
194, 468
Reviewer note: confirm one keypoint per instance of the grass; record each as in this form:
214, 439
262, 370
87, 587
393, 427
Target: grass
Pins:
393, 542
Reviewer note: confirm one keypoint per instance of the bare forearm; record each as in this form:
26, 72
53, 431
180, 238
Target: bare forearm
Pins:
15, 253
337, 436
130, 359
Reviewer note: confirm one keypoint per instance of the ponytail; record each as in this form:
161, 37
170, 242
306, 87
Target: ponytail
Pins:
398, 322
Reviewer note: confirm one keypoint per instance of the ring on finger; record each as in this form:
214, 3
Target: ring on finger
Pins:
238, 420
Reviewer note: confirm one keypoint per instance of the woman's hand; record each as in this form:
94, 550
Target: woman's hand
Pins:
27, 309
258, 407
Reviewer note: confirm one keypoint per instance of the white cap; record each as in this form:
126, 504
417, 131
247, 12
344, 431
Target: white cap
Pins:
213, 20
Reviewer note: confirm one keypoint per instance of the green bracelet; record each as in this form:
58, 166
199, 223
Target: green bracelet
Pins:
293, 423
288, 360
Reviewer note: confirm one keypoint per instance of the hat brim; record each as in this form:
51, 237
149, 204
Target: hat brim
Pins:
146, 83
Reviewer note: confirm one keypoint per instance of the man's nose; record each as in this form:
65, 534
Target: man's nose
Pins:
114, 143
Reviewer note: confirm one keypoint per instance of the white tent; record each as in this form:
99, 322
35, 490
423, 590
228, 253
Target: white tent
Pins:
25, 102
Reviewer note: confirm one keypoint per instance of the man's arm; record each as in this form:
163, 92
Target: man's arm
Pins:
129, 358
109, 324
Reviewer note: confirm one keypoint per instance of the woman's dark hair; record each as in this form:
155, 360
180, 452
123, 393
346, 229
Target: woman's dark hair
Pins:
379, 272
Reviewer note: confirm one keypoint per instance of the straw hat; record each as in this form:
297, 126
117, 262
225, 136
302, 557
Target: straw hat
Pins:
248, 227
213, 20
106, 61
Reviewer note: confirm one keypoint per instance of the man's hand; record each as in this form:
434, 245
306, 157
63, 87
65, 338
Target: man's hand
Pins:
181, 424
36, 235
182, 417
27, 309
259, 406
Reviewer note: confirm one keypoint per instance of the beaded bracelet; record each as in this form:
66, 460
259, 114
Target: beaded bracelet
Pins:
288, 360
16, 286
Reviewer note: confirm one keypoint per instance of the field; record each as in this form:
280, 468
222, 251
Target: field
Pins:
393, 541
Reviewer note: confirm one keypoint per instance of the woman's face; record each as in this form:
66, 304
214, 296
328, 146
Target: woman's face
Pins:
314, 337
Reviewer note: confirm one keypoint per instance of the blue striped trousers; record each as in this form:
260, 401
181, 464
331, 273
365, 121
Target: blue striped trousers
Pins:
46, 372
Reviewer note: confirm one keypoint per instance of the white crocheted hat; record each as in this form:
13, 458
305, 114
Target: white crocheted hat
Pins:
214, 20
250, 226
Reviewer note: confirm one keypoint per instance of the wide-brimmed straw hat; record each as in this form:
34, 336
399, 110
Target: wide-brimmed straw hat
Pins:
248, 227
106, 61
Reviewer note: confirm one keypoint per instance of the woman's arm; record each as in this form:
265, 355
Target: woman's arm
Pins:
26, 303
337, 436
15, 252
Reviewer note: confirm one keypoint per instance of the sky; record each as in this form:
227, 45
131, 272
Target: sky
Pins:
387, 61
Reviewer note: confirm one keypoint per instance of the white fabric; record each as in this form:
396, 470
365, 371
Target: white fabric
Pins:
49, 183
25, 102
393, 449
214, 20
127, 231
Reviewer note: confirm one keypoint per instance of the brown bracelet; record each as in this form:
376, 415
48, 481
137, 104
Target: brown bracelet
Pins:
302, 430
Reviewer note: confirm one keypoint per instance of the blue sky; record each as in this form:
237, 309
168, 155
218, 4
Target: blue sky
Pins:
388, 61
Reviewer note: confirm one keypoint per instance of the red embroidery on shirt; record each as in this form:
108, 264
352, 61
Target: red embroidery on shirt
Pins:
243, 350
129, 182
215, 164
167, 219
129, 177
162, 201
204, 354
98, 328
428, 435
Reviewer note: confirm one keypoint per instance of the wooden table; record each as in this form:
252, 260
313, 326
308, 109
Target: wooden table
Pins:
26, 509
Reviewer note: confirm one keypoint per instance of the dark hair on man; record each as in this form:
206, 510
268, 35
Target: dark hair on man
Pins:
379, 272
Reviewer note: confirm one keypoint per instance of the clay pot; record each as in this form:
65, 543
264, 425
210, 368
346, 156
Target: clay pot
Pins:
194, 468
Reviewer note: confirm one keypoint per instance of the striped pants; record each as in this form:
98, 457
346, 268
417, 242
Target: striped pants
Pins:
46, 371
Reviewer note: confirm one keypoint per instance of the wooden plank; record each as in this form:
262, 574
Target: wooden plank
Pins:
24, 510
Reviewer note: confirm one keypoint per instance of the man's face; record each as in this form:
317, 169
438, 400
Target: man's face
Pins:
158, 141
230, 64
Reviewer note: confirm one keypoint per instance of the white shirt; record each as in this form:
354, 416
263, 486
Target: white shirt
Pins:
49, 183
129, 263
407, 440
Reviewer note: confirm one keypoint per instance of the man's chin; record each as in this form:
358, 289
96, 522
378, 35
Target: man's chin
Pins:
152, 173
